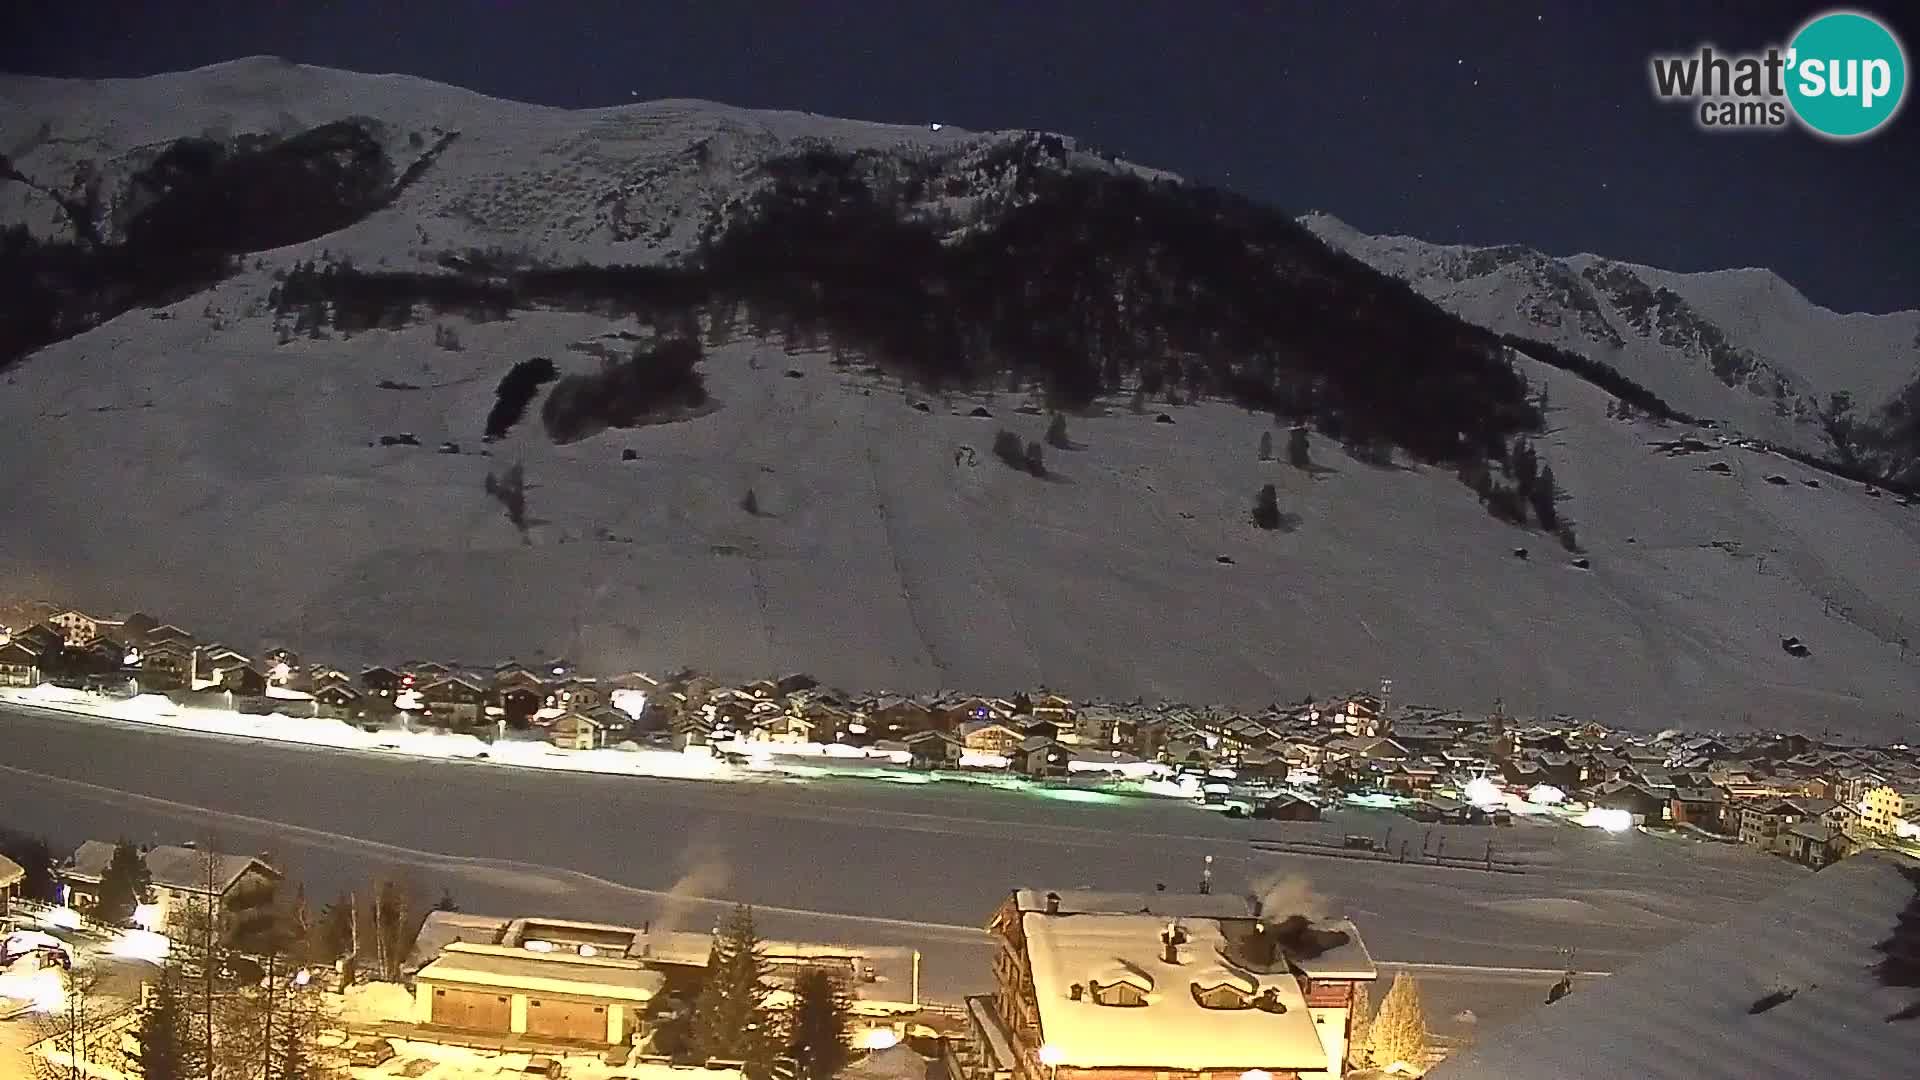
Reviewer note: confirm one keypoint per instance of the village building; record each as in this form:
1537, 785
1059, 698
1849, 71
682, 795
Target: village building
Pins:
1113, 986
1892, 810
934, 750
990, 737
19, 664
454, 701
585, 982
180, 875
578, 730
12, 874
78, 629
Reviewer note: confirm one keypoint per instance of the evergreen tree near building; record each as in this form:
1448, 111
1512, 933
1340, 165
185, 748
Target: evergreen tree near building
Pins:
1299, 451
163, 1035
730, 1018
1266, 508
124, 886
817, 1036
1399, 1032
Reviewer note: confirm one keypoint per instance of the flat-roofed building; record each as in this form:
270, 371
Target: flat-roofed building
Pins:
1158, 986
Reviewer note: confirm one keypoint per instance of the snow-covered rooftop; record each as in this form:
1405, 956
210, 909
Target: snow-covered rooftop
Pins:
558, 973
1164, 904
1172, 1031
1813, 981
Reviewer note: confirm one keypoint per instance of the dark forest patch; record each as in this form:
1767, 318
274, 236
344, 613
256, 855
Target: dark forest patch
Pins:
656, 384
515, 391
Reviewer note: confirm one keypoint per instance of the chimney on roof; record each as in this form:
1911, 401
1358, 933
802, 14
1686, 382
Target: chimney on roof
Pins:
1076, 991
1171, 939
1053, 903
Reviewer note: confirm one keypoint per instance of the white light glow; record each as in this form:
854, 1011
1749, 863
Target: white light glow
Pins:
1051, 1055
1613, 821
140, 945
537, 945
879, 1039
42, 989
1484, 793
1256, 1074
1546, 795
61, 918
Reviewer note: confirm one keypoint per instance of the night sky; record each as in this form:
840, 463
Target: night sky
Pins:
1472, 122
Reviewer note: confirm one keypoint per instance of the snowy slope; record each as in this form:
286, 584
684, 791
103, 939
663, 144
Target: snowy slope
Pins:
230, 483
191, 465
1811, 1000
1739, 346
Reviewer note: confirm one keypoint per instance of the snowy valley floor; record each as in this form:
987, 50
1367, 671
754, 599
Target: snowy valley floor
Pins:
832, 859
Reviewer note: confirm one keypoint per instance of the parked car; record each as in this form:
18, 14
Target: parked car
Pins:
369, 1051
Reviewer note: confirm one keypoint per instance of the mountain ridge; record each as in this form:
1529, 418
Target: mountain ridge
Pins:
219, 456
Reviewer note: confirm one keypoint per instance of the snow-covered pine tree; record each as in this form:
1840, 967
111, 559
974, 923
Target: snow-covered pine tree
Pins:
1399, 1031
730, 1018
1358, 1050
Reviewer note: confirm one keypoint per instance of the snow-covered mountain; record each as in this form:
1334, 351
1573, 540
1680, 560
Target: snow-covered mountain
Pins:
1741, 347
217, 456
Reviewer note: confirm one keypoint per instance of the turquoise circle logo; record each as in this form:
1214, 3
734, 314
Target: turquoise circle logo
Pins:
1846, 74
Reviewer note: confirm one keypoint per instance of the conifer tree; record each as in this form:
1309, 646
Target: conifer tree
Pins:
163, 1036
1358, 1048
1266, 446
1399, 1032
1299, 450
124, 886
1057, 432
1266, 508
1036, 461
730, 1018
818, 1038
1542, 497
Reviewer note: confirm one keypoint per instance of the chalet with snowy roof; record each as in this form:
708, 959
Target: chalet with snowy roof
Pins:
1287, 808
1647, 806
577, 730
1119, 986
934, 750
453, 701
19, 664
179, 875
1039, 755
990, 737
